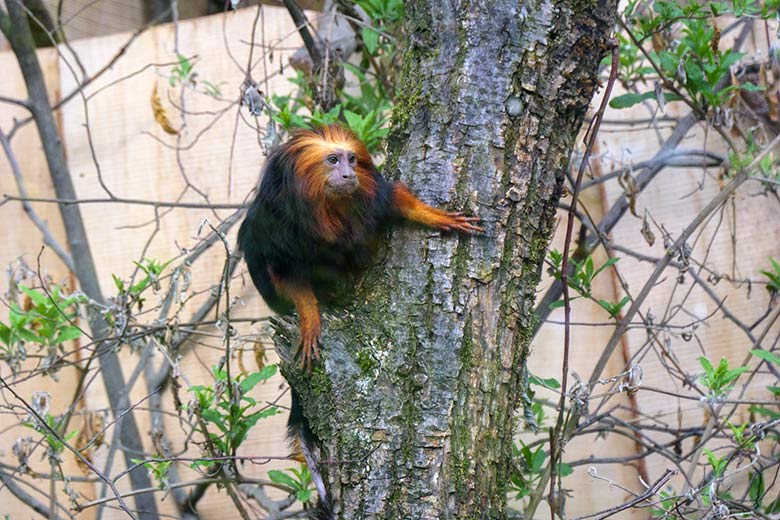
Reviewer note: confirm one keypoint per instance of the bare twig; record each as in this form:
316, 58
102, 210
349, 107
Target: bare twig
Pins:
556, 440
48, 237
120, 200
651, 492
303, 28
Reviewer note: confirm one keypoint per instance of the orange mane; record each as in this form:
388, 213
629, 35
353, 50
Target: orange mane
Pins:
308, 150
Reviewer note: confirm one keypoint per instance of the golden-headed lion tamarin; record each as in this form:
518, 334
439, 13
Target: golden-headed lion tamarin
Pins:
320, 206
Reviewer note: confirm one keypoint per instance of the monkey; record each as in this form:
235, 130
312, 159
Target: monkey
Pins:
320, 208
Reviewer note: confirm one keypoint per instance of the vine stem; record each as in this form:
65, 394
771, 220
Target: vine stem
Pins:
556, 444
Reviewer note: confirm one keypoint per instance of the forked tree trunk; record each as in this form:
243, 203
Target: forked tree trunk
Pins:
415, 403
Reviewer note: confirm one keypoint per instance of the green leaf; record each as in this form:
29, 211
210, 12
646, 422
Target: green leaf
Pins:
370, 39
730, 58
538, 460
220, 374
609, 262
549, 382
5, 333
763, 410
750, 87
630, 99
756, 490
268, 412
565, 470
354, 121
29, 336
770, 357
37, 298
252, 379
706, 365
214, 417
282, 478
120, 285
67, 333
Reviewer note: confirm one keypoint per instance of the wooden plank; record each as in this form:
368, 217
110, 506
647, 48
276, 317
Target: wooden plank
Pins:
22, 245
137, 160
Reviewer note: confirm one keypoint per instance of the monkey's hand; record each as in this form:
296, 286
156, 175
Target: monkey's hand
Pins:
457, 221
311, 335
415, 210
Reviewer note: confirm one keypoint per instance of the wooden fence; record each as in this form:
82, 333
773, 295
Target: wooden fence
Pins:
138, 160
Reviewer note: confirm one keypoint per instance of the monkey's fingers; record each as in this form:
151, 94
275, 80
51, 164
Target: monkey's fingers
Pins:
462, 223
310, 340
470, 228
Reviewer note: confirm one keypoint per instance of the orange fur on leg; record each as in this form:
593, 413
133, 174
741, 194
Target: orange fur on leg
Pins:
306, 305
413, 209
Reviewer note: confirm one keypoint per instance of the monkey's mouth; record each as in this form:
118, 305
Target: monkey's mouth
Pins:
342, 187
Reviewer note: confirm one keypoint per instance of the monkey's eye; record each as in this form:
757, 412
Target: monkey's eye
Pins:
352, 158
333, 159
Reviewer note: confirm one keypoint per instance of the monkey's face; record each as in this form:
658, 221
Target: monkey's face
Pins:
340, 178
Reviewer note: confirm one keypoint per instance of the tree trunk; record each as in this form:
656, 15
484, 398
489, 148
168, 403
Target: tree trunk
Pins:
414, 403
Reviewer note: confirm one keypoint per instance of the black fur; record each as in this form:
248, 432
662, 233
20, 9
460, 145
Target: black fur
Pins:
298, 429
280, 232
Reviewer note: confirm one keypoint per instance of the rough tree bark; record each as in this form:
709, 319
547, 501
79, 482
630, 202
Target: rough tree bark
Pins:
414, 403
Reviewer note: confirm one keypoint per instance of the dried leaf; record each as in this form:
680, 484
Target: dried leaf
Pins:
91, 436
160, 115
715, 42
628, 183
659, 41
771, 83
240, 359
261, 357
659, 95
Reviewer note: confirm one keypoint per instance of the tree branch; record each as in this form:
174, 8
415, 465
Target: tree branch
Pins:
22, 495
303, 28
48, 238
67, 201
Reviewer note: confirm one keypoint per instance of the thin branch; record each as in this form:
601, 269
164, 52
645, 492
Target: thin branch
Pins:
651, 492
17, 31
13, 101
82, 85
712, 206
51, 431
67, 201
48, 237
556, 438
26, 498
303, 28
619, 208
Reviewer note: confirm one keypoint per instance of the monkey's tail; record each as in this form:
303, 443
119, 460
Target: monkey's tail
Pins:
304, 446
